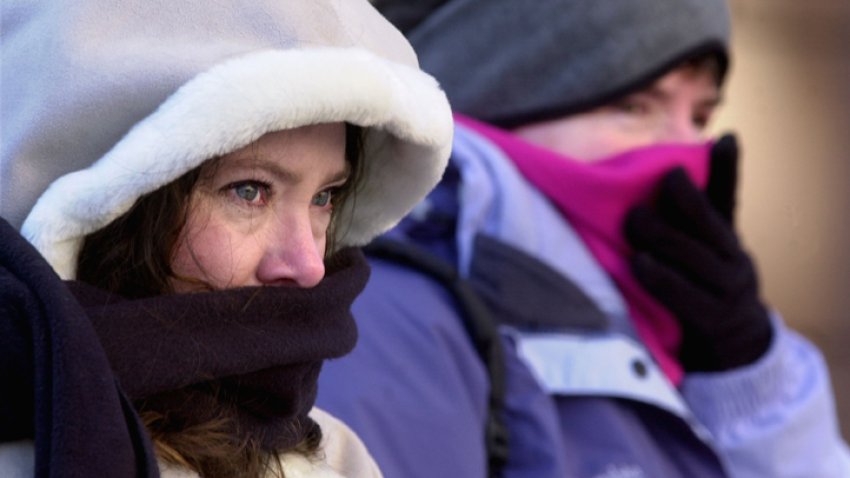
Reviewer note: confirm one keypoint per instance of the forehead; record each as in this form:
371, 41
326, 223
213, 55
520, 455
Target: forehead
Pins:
306, 148
295, 143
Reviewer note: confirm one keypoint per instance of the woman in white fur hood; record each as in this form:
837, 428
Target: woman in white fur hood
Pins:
180, 185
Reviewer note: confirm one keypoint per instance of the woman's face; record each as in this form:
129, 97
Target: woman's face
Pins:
674, 109
260, 215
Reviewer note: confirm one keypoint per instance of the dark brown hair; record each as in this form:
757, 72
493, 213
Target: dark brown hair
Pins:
132, 257
211, 450
709, 63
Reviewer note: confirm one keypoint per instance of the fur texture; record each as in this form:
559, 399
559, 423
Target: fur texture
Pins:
407, 142
113, 98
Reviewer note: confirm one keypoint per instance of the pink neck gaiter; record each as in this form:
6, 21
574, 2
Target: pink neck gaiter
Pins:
594, 198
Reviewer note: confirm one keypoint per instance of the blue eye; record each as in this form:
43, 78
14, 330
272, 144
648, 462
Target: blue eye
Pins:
252, 192
248, 192
323, 198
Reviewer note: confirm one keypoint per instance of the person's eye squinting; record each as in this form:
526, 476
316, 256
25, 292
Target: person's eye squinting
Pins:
324, 198
252, 193
702, 118
633, 106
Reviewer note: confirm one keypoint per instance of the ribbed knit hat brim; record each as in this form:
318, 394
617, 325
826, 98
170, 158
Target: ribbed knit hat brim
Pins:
511, 62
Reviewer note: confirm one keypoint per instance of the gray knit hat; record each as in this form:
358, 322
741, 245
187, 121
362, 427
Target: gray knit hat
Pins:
511, 62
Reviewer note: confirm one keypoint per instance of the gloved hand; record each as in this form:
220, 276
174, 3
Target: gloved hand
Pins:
688, 256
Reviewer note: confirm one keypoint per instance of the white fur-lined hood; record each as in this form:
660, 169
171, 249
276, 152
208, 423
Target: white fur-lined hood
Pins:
118, 98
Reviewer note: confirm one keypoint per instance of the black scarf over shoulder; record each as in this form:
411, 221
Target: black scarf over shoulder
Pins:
73, 358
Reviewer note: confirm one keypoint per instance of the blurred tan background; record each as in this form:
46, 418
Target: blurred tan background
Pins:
789, 100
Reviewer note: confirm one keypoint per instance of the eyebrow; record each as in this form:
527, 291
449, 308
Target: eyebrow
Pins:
284, 175
656, 92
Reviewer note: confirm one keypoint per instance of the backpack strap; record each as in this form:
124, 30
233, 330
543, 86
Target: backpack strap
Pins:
480, 326
527, 293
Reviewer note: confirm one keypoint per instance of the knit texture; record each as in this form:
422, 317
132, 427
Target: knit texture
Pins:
58, 389
526, 61
75, 357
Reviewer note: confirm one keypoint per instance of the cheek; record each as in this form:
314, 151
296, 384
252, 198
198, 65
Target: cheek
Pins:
206, 253
320, 226
588, 137
590, 143
607, 137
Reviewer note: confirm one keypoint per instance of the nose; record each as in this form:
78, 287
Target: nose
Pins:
294, 254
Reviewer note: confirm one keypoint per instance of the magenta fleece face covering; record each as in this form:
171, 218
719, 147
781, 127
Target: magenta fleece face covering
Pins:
595, 197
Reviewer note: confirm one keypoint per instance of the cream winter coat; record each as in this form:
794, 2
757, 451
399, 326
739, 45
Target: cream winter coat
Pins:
341, 454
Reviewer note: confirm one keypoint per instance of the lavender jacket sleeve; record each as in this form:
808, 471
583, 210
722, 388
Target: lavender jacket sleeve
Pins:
776, 417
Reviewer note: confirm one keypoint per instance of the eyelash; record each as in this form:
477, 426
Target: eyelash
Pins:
632, 106
702, 119
263, 190
331, 192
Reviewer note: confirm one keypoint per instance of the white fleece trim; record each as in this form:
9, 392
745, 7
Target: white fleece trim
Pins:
407, 142
17, 459
299, 466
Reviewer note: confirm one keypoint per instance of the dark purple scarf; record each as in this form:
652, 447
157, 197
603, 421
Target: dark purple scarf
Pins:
71, 354
252, 353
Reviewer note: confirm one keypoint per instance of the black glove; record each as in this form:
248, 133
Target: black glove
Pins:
688, 257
